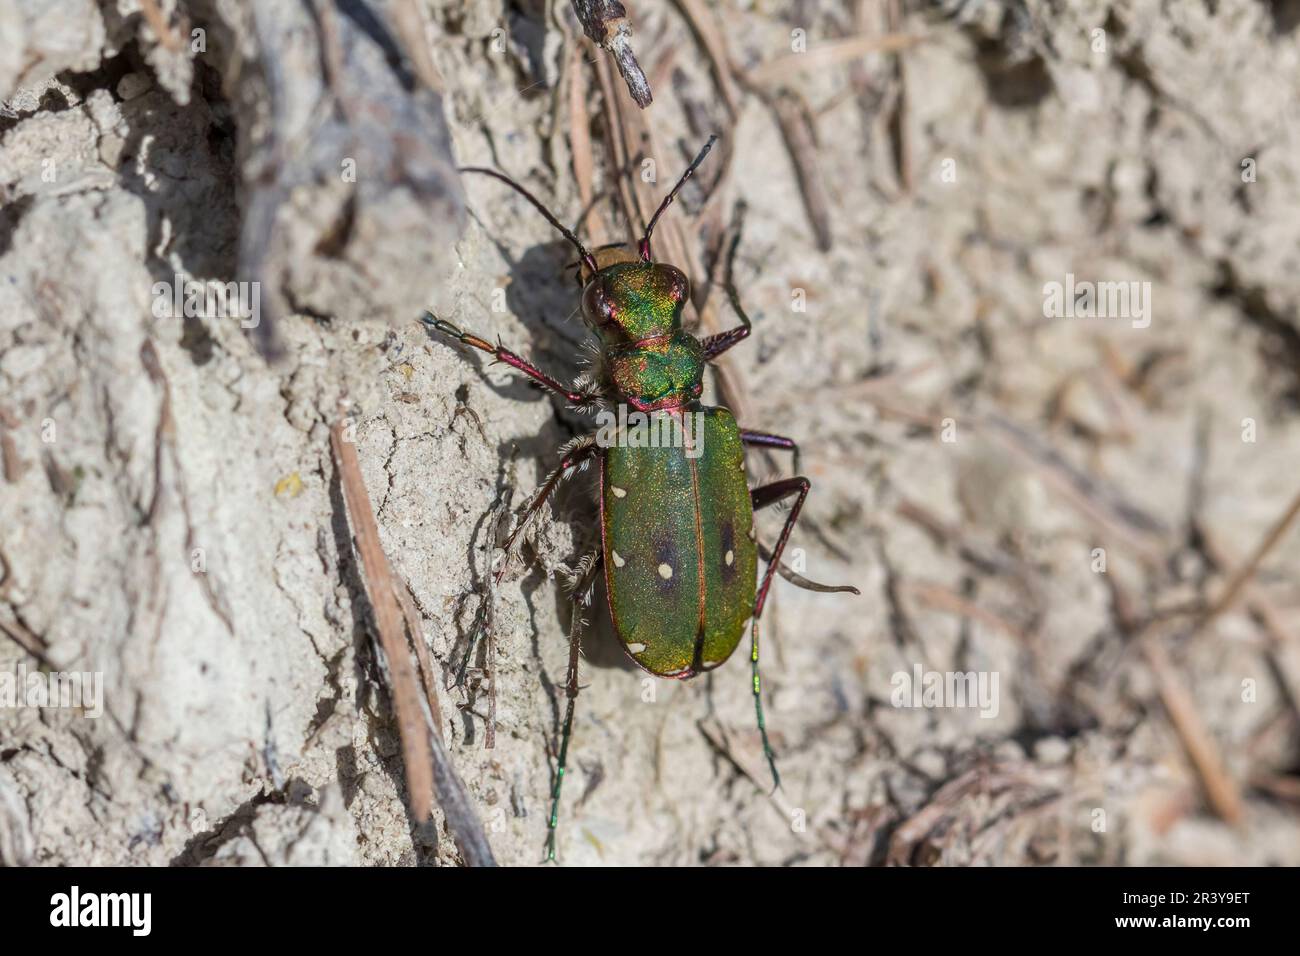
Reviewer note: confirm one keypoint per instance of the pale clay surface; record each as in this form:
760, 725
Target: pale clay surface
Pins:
244, 723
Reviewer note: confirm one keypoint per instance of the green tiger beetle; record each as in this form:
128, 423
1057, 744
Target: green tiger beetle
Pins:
678, 545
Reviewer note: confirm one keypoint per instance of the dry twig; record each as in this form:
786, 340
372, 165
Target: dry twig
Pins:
703, 25
944, 599
17, 632
1247, 570
428, 765
1222, 793
607, 24
829, 54
158, 23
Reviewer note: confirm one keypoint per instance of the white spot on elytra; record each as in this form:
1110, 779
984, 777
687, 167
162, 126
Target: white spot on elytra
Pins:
618, 558
618, 492
730, 558
751, 535
665, 571
636, 648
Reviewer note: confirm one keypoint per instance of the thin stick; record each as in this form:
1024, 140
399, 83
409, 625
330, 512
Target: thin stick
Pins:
941, 598
607, 24
381, 588
1247, 570
158, 23
828, 54
794, 119
901, 121
704, 26
25, 639
408, 24
625, 131
1261, 606
425, 757
580, 144
1222, 793
13, 464
415, 634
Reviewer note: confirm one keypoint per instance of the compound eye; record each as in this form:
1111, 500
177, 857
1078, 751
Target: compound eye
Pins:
679, 287
596, 305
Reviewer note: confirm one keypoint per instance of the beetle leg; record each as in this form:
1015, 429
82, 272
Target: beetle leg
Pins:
799, 581
715, 345
505, 355
477, 627
765, 495
767, 440
500, 513
583, 577
761, 497
574, 454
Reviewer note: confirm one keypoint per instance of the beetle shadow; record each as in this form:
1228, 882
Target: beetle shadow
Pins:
573, 505
546, 299
601, 647
541, 293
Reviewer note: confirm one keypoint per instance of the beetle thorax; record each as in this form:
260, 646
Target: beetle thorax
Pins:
636, 309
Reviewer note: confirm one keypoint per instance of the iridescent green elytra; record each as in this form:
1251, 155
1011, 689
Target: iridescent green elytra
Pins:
680, 559
678, 546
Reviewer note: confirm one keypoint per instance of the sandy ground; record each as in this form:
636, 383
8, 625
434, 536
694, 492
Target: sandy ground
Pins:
1055, 504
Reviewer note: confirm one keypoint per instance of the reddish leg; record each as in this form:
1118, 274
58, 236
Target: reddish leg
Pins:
573, 454
767, 440
584, 575
505, 355
761, 497
715, 345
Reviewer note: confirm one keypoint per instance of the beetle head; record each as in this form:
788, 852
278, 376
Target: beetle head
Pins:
631, 301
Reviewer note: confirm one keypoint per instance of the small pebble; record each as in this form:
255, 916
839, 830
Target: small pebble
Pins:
133, 85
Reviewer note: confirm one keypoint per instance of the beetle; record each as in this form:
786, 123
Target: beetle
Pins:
678, 544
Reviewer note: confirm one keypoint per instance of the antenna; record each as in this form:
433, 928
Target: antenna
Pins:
587, 258
668, 200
